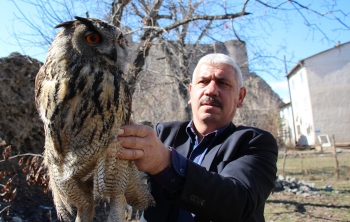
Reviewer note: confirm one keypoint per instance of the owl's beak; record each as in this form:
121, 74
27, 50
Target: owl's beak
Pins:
110, 54
114, 54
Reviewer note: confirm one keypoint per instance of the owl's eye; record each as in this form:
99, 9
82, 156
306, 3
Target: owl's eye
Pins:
93, 38
120, 39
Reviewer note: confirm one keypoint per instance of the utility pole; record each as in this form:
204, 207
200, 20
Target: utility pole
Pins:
290, 98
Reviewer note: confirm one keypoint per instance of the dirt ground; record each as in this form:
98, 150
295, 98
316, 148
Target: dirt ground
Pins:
331, 205
328, 206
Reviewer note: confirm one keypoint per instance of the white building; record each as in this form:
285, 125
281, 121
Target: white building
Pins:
320, 98
287, 133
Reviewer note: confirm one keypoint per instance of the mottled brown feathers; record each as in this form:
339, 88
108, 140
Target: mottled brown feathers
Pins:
82, 99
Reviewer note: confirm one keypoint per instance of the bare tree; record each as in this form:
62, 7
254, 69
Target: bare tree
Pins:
151, 20
177, 28
170, 34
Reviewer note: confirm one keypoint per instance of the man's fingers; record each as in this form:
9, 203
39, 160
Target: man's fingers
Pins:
120, 132
130, 142
134, 130
129, 154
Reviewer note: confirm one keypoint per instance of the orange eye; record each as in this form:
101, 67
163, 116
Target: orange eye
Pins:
119, 41
93, 38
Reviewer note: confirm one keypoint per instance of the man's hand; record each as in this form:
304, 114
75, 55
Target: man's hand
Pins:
141, 144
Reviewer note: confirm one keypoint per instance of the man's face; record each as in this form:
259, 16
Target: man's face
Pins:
214, 95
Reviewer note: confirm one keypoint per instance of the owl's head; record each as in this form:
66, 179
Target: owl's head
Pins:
93, 40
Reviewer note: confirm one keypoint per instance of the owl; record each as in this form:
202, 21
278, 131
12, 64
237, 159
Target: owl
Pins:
82, 99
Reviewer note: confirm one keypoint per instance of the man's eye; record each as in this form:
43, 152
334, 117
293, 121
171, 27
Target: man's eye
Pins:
223, 83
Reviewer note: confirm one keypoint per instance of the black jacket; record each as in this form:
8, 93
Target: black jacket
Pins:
233, 182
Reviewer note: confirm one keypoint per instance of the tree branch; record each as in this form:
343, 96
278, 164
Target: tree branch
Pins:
205, 17
136, 10
273, 7
117, 11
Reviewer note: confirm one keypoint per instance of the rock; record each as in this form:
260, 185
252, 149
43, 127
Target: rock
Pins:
328, 188
295, 190
306, 194
278, 185
293, 185
315, 193
299, 192
305, 188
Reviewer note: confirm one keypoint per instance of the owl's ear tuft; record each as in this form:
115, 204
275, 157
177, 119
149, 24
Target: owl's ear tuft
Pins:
86, 22
64, 24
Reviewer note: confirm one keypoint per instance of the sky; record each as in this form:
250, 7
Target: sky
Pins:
299, 42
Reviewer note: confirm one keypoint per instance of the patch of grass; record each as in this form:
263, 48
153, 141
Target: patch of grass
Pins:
314, 166
318, 169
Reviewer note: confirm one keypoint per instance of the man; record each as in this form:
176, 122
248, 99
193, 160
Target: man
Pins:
206, 169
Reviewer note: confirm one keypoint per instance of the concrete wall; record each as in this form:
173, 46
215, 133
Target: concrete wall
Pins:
328, 74
302, 109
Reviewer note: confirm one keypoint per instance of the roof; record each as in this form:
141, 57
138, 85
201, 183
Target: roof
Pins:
301, 62
284, 105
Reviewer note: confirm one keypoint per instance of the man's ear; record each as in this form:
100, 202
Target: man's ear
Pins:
189, 88
242, 93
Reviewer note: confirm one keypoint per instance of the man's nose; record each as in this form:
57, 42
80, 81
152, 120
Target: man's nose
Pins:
211, 89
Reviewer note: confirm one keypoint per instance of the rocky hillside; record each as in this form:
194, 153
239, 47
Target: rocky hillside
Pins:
20, 125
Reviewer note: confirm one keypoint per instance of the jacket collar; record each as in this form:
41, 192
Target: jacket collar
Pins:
182, 143
216, 145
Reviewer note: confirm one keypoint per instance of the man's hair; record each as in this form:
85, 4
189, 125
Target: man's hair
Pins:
218, 58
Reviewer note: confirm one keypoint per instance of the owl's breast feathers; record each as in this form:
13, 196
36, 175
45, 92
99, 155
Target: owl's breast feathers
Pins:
82, 107
83, 100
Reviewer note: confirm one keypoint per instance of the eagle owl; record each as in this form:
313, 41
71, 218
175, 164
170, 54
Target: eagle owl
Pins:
82, 100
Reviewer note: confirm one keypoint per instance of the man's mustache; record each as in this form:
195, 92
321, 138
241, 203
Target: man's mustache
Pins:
211, 100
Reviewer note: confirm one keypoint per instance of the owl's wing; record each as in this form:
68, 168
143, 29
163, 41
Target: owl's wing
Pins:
125, 98
38, 85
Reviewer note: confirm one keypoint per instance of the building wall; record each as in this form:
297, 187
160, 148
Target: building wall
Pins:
302, 109
328, 74
287, 133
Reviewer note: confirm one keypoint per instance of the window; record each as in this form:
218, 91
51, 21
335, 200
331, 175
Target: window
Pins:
296, 107
305, 102
302, 77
